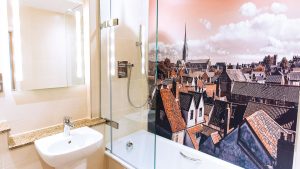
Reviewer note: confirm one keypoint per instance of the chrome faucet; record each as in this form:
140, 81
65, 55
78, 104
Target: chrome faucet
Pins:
67, 125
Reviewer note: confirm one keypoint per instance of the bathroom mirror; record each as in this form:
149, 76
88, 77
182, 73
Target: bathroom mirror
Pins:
47, 46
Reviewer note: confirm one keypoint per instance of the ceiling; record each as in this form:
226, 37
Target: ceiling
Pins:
60, 6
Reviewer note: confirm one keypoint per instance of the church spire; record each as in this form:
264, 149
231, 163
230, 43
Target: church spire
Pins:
185, 47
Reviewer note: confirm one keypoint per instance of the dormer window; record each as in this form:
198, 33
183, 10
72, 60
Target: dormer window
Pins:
192, 115
200, 112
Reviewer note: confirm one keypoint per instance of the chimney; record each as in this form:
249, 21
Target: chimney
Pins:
227, 120
275, 60
196, 84
174, 87
218, 90
285, 151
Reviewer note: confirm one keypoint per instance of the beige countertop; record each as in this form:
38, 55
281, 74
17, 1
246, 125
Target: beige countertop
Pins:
19, 140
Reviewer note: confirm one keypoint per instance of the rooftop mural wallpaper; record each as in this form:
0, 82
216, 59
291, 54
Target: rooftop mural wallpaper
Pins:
228, 78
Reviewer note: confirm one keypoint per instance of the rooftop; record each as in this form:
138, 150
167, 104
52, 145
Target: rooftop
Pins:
284, 116
192, 133
172, 111
185, 100
274, 79
218, 114
235, 75
267, 130
210, 89
180, 88
197, 74
206, 61
294, 76
207, 131
197, 97
267, 91
210, 74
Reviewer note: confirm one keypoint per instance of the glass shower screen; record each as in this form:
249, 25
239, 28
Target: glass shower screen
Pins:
126, 85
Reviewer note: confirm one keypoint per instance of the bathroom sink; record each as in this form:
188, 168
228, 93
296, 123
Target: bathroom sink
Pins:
59, 150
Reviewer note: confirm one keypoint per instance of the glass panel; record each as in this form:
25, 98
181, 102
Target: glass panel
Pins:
124, 71
105, 74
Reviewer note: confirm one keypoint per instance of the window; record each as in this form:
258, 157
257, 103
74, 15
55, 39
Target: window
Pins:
192, 115
200, 112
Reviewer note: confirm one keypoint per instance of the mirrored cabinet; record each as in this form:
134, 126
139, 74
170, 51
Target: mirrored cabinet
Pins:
46, 44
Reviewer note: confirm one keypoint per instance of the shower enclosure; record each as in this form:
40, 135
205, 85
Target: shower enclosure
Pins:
125, 84
148, 125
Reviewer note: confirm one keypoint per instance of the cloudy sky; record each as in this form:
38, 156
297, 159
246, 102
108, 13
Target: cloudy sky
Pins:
227, 30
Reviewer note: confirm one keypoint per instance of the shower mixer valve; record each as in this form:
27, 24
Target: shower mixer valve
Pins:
138, 43
123, 68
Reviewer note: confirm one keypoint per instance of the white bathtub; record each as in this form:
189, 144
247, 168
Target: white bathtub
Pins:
169, 155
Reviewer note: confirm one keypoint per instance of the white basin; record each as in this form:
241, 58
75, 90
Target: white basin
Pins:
59, 150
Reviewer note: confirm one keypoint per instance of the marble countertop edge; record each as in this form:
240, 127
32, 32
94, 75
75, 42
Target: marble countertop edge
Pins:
27, 138
4, 127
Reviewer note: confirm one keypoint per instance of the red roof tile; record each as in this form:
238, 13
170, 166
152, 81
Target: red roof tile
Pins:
267, 130
200, 83
276, 113
211, 89
192, 133
207, 131
172, 111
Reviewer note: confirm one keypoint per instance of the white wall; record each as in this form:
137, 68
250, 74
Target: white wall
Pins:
30, 110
